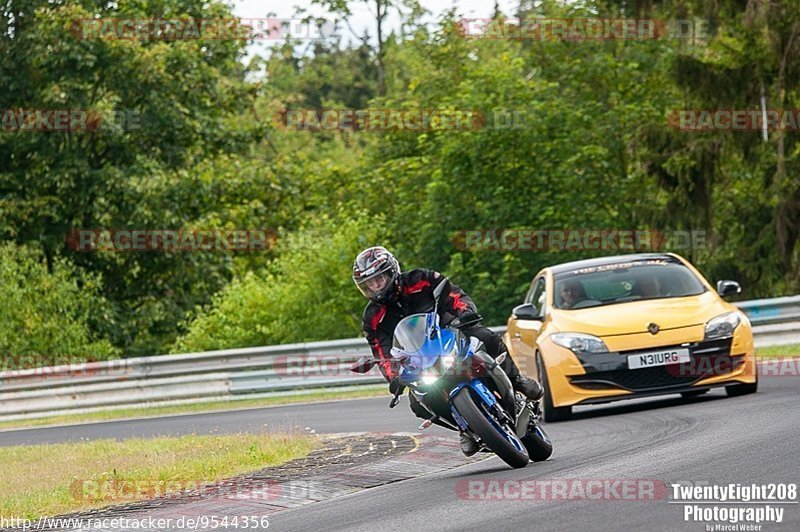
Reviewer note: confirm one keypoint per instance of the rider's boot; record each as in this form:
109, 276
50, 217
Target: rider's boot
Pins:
528, 387
468, 444
521, 383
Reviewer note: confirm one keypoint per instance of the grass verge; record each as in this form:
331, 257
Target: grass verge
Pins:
46, 480
196, 408
790, 350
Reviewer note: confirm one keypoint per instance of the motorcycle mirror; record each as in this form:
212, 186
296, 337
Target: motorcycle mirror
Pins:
400, 357
398, 354
363, 365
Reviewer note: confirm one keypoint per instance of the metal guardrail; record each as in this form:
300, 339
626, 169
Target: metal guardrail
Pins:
255, 372
184, 378
776, 310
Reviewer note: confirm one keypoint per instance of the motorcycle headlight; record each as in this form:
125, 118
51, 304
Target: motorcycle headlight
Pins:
722, 326
579, 342
441, 367
448, 361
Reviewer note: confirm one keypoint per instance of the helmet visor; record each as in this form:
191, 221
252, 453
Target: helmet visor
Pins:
376, 284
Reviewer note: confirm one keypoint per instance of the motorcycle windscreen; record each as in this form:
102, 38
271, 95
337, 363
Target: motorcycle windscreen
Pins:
412, 338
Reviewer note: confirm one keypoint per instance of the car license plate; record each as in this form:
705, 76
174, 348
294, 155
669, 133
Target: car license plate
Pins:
658, 358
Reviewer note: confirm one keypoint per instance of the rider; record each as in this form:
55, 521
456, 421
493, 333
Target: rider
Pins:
394, 295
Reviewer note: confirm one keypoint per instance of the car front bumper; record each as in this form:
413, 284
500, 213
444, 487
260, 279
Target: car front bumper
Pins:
600, 378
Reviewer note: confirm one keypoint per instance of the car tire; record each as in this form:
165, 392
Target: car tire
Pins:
735, 390
551, 413
693, 393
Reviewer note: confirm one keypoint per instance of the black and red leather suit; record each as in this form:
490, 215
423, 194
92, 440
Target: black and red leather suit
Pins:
414, 295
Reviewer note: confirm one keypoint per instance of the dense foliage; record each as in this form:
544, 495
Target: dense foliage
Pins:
46, 317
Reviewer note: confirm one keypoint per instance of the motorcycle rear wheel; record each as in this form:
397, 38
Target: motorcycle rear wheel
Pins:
538, 444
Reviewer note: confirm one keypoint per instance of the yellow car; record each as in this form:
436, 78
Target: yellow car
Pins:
622, 327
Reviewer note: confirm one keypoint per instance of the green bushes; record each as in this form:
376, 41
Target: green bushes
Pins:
44, 318
306, 294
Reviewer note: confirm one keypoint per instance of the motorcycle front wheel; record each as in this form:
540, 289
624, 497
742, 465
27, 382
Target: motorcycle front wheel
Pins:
502, 440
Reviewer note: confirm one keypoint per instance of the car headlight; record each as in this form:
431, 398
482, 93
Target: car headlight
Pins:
722, 326
579, 342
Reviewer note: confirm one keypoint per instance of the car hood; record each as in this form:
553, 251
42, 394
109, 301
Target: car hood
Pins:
634, 316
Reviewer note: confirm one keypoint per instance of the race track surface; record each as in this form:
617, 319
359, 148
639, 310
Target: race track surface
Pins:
711, 440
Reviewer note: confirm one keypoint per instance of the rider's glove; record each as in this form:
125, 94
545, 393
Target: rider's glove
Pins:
466, 320
395, 388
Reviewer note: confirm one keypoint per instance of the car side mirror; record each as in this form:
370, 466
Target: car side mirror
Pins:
726, 288
526, 311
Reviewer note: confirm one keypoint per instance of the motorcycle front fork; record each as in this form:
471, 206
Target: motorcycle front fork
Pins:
530, 414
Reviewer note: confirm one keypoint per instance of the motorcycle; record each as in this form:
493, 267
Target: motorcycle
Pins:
462, 387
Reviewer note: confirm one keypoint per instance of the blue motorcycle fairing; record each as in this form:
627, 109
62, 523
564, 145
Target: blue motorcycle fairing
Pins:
427, 357
479, 387
429, 353
468, 346
462, 423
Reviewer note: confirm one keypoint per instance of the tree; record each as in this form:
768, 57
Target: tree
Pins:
184, 102
409, 12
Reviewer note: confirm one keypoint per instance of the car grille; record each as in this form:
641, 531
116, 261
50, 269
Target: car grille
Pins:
709, 358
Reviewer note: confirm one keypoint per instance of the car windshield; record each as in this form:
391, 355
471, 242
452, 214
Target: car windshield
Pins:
623, 282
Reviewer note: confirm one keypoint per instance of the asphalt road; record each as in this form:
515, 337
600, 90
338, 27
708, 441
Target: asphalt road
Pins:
708, 440
711, 440
357, 415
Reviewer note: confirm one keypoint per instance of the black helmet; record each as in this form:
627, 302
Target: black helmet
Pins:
375, 272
